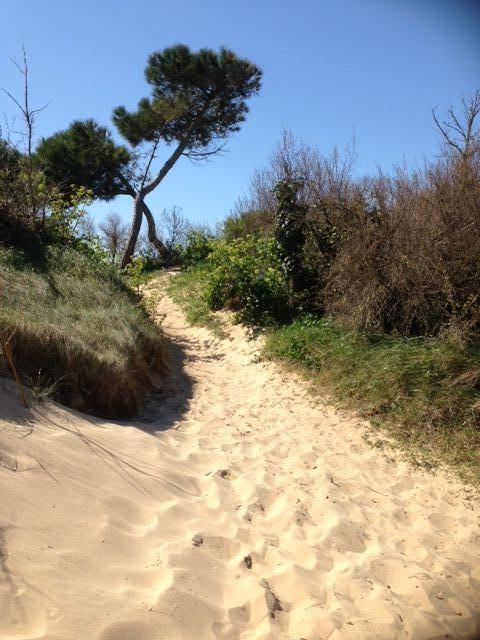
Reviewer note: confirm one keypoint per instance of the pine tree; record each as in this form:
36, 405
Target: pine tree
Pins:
197, 100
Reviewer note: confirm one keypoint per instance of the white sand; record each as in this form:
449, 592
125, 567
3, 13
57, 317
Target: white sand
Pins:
238, 508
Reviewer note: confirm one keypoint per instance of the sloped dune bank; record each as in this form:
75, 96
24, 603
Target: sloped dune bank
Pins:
236, 508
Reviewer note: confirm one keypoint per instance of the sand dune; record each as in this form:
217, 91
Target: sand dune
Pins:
236, 508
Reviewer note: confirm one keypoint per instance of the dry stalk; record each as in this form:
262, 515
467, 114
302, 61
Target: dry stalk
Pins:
9, 357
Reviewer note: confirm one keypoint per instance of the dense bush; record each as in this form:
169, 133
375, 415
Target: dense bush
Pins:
199, 245
412, 266
34, 214
17, 232
397, 253
16, 228
290, 225
248, 223
248, 277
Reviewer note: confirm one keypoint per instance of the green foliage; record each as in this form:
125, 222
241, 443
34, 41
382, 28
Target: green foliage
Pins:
249, 223
34, 214
248, 277
135, 272
66, 212
425, 391
93, 249
199, 246
85, 155
23, 190
10, 160
75, 327
16, 228
290, 231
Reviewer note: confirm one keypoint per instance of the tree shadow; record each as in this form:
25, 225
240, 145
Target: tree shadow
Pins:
166, 405
164, 408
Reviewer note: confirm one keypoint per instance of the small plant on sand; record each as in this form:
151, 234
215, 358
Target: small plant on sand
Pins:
135, 273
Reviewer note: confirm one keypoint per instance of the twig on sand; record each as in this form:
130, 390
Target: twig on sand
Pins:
316, 604
165, 613
46, 470
379, 493
8, 355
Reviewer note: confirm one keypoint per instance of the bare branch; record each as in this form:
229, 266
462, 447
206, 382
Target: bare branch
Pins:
182, 145
448, 139
461, 133
194, 155
17, 103
151, 158
29, 116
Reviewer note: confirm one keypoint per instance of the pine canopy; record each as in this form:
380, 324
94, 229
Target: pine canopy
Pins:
85, 154
200, 96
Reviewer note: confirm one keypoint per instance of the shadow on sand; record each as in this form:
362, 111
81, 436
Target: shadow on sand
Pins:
163, 407
167, 404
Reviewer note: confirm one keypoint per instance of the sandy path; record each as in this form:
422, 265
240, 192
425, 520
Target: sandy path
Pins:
237, 508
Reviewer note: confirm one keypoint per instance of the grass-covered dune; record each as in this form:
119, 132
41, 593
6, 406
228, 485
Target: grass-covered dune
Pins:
75, 330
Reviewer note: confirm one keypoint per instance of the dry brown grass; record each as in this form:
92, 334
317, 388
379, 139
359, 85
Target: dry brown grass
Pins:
411, 264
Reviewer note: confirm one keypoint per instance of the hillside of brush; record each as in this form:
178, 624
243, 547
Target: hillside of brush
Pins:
76, 332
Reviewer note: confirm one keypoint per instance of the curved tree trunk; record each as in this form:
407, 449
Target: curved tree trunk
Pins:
152, 230
134, 230
152, 233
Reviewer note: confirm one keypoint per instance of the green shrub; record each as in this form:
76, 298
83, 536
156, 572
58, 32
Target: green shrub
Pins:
248, 223
248, 277
200, 245
290, 217
135, 273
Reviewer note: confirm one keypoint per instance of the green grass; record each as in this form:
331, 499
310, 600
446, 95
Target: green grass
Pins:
424, 391
75, 328
188, 289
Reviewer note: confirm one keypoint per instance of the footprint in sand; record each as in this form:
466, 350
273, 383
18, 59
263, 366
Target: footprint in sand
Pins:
274, 605
226, 474
197, 540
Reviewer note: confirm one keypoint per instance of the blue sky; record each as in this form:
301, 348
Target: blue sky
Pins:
331, 67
